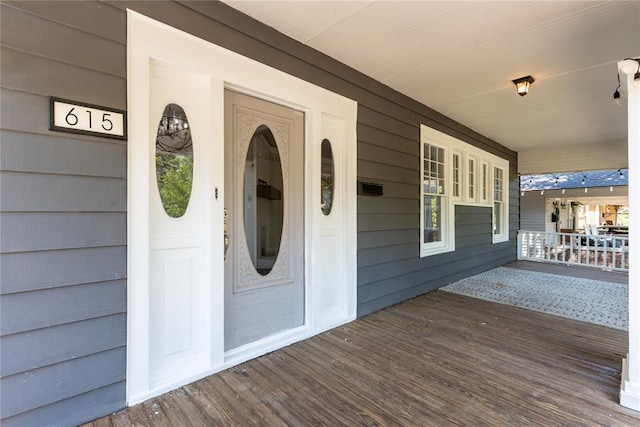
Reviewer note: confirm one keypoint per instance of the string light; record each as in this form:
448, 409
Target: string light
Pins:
551, 181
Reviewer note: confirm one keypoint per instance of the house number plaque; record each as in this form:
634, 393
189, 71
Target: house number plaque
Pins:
87, 119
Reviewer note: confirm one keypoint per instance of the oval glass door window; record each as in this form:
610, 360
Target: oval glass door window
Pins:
174, 160
263, 201
327, 177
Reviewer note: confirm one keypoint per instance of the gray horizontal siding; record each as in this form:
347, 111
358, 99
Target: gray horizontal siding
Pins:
29, 113
376, 239
73, 411
37, 192
387, 205
396, 190
533, 214
374, 153
30, 271
49, 346
63, 154
57, 306
379, 222
55, 74
372, 170
31, 33
386, 275
63, 221
89, 17
40, 387
38, 231
388, 253
380, 138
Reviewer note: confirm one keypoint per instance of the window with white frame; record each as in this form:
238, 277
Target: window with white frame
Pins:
471, 187
456, 182
500, 226
454, 172
484, 179
433, 182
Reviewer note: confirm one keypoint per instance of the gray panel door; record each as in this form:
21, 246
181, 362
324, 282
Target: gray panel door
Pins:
264, 207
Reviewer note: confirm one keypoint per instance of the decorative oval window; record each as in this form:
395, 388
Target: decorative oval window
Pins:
327, 177
263, 201
174, 160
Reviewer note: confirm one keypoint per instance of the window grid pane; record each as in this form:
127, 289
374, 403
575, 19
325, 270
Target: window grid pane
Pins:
485, 181
472, 180
498, 180
432, 219
456, 175
434, 170
497, 184
433, 188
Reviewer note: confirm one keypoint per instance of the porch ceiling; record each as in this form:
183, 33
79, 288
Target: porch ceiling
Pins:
460, 57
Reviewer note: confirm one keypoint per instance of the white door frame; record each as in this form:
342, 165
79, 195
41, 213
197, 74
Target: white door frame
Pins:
330, 241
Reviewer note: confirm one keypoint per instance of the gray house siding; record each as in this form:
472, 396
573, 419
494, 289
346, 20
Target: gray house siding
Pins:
63, 227
533, 215
63, 198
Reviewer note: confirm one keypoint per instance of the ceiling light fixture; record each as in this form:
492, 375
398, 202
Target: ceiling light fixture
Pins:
523, 84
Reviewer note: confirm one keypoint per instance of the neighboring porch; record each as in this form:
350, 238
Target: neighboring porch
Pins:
438, 359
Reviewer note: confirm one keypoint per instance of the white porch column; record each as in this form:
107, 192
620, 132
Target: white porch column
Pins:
630, 387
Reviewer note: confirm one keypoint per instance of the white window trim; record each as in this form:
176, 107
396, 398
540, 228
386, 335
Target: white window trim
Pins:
467, 152
503, 235
485, 178
447, 243
461, 176
469, 199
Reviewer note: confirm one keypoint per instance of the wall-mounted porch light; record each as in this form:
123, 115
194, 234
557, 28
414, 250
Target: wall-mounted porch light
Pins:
523, 84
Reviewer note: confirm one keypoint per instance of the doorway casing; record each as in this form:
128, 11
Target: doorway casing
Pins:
329, 243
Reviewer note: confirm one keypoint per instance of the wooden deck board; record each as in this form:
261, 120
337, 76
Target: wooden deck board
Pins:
439, 359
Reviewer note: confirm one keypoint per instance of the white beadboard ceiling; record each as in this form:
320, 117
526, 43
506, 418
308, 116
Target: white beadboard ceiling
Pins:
459, 57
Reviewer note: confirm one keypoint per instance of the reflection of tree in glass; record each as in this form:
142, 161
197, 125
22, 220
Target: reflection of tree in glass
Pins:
175, 174
326, 185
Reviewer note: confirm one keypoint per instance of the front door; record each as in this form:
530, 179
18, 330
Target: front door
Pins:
264, 227
285, 177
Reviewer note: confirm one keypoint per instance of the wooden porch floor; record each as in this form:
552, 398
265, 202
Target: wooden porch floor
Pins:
440, 359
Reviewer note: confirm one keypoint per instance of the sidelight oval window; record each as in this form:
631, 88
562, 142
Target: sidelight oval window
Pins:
327, 177
263, 200
174, 160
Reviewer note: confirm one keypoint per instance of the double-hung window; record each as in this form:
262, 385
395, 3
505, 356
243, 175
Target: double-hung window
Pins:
456, 182
500, 226
436, 234
433, 192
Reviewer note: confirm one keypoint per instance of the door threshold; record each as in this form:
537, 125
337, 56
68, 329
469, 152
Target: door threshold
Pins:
265, 345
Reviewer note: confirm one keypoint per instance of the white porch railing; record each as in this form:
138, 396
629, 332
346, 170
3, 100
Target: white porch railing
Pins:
601, 251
